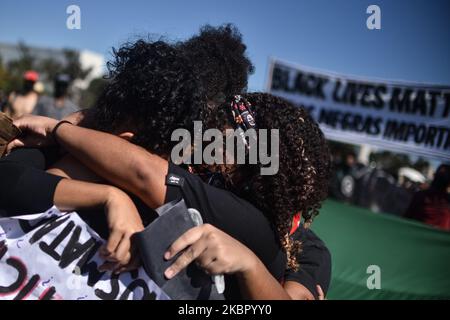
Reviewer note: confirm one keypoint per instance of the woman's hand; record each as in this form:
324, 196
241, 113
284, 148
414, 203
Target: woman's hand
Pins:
121, 214
213, 250
123, 222
37, 132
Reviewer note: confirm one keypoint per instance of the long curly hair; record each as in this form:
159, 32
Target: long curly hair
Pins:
301, 183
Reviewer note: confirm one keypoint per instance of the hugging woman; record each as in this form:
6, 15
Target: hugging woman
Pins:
156, 88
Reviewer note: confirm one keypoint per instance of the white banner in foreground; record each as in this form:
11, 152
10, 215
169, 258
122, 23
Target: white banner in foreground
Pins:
54, 256
399, 116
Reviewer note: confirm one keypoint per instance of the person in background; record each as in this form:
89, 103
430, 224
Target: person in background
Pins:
25, 101
3, 101
58, 106
432, 206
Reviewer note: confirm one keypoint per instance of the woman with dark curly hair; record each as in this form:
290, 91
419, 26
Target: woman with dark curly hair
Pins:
300, 184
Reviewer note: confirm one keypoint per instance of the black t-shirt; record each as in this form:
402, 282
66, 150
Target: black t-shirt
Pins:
231, 214
314, 260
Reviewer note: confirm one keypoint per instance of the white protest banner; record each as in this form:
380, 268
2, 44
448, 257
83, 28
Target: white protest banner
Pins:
55, 256
399, 116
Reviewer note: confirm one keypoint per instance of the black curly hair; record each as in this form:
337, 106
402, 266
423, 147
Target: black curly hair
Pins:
156, 87
301, 183
219, 58
154, 90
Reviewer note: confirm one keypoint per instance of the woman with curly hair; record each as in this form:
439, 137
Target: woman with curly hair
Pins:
301, 183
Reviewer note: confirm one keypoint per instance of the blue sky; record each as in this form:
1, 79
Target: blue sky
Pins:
413, 44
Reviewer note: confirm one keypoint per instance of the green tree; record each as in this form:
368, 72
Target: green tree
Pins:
23, 63
90, 95
16, 68
50, 68
73, 65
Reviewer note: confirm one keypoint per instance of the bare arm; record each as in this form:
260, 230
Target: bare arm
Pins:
76, 195
70, 168
122, 216
126, 165
258, 284
218, 253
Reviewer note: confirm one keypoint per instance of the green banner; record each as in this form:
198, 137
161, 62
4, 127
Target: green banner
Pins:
413, 258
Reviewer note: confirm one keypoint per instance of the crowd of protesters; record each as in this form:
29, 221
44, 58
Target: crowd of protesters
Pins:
402, 191
30, 99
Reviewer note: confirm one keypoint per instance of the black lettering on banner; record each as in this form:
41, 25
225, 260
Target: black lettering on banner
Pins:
441, 135
366, 90
379, 91
433, 102
337, 86
421, 134
355, 93
85, 265
394, 130
304, 83
420, 102
3, 248
47, 227
350, 121
431, 135
48, 294
350, 94
400, 101
26, 225
447, 142
21, 269
280, 79
50, 249
310, 85
21, 276
147, 294
446, 110
26, 290
114, 289
318, 90
74, 249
